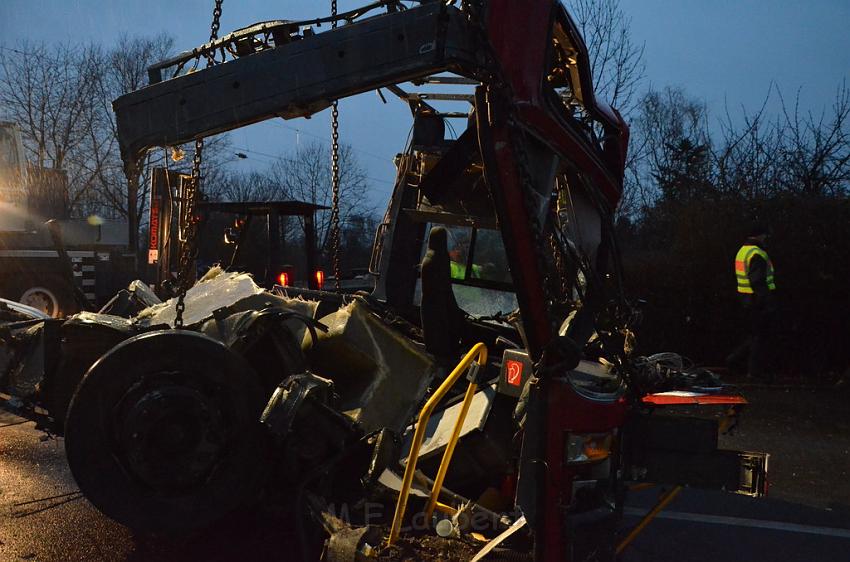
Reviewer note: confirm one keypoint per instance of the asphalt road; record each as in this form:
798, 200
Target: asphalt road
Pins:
701, 526
43, 519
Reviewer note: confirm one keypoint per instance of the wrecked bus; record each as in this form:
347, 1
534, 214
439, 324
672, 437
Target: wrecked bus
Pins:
486, 385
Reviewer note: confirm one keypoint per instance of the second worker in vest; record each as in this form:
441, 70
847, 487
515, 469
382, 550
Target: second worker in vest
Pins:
754, 276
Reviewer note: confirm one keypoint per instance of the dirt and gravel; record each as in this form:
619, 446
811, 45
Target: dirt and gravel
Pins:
429, 547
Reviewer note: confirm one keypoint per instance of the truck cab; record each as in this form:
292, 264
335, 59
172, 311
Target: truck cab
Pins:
13, 177
93, 259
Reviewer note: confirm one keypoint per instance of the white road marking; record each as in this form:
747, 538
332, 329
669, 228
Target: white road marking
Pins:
744, 522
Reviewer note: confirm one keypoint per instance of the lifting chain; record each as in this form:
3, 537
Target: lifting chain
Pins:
335, 234
191, 196
216, 21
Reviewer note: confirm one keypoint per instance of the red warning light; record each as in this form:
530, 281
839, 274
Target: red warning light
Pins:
320, 279
283, 279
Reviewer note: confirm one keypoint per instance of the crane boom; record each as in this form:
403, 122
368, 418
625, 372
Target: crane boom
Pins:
295, 79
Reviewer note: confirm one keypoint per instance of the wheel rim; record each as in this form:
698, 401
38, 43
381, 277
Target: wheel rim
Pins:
163, 432
170, 432
42, 299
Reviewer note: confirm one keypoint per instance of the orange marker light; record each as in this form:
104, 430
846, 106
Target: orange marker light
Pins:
320, 279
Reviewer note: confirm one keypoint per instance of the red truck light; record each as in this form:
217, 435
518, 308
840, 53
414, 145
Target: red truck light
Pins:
320, 279
283, 279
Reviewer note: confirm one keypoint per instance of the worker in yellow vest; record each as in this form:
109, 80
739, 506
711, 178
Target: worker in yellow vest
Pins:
458, 271
458, 255
754, 276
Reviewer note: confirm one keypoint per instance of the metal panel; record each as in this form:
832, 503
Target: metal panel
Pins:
442, 423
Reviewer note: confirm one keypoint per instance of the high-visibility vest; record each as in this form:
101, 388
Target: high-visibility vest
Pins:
458, 270
742, 268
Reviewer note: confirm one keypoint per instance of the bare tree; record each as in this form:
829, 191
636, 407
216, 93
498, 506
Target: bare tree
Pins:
305, 174
617, 68
745, 158
616, 61
49, 93
61, 97
358, 232
754, 156
672, 132
760, 156
815, 149
126, 71
244, 186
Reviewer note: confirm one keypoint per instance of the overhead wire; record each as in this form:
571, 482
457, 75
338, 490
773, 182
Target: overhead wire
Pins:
326, 141
32, 54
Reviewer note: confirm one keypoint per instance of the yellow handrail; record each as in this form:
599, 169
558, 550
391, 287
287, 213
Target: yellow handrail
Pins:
478, 351
450, 449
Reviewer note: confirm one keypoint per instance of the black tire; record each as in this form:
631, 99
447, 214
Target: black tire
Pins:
163, 433
82, 345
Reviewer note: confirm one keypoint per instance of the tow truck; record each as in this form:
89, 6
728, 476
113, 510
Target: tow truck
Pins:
249, 236
496, 265
59, 267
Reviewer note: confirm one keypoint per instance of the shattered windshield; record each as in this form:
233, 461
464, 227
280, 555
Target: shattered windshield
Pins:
479, 302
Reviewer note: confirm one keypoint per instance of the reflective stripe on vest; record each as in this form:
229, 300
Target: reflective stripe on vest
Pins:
742, 268
458, 270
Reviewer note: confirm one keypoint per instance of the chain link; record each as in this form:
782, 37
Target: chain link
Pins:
335, 234
191, 196
188, 221
216, 21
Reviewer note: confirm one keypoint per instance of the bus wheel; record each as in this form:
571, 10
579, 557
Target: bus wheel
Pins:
163, 433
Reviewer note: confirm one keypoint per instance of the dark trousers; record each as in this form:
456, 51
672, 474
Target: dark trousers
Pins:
756, 345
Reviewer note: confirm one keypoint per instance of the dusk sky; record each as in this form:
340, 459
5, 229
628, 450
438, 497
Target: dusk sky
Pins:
723, 52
